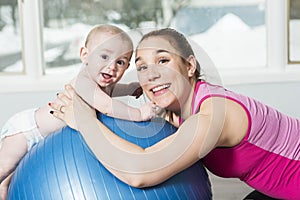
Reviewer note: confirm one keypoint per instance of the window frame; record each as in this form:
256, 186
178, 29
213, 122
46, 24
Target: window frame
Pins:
288, 35
277, 68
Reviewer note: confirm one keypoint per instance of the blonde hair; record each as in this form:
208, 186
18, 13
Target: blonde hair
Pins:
114, 30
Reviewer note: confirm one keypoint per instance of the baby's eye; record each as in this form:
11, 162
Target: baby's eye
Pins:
141, 68
104, 57
121, 62
163, 60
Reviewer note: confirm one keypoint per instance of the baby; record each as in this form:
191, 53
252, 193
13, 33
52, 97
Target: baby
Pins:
105, 57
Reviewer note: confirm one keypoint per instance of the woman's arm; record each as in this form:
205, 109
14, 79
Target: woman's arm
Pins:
145, 167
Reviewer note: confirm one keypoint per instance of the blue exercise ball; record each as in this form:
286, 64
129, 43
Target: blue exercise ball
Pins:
62, 167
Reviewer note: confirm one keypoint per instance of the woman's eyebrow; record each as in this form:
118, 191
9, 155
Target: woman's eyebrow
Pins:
162, 51
157, 52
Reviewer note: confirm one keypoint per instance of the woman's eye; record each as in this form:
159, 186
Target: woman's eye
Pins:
141, 68
163, 60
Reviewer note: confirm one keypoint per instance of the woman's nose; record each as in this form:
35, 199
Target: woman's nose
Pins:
153, 73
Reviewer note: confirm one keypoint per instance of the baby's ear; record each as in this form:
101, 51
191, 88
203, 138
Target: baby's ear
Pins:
84, 52
192, 65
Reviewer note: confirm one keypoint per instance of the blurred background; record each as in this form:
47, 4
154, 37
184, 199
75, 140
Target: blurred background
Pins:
222, 28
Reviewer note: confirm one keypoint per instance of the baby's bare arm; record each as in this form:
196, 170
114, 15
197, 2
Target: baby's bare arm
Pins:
21, 132
93, 95
116, 108
131, 89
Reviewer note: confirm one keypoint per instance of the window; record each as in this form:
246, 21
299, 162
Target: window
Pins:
66, 24
10, 37
246, 39
294, 31
231, 32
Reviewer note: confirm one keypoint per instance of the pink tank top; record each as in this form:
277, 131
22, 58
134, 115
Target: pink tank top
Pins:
268, 158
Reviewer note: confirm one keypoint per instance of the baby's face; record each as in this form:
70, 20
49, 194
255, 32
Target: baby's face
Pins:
109, 57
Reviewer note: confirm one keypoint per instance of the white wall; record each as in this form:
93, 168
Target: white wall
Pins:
15, 102
283, 96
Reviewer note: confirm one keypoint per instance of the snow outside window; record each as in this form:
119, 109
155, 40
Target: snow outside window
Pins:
245, 39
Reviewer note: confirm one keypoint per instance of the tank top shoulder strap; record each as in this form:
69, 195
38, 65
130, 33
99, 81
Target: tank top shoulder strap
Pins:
196, 97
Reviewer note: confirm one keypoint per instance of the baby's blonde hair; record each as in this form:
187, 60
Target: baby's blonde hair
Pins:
114, 30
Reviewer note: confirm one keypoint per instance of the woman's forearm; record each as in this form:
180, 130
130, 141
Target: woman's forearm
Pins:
114, 155
131, 163
117, 109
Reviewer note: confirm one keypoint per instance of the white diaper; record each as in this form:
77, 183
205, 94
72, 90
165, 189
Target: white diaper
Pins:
24, 122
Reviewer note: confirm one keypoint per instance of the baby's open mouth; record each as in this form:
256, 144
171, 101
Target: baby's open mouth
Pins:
106, 76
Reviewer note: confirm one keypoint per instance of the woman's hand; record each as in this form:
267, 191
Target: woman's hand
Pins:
71, 106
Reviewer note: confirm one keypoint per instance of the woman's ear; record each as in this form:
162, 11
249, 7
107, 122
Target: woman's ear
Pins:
84, 52
192, 65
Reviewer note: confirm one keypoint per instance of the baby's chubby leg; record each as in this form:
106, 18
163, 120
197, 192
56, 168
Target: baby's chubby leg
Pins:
46, 122
12, 150
4, 187
21, 132
17, 136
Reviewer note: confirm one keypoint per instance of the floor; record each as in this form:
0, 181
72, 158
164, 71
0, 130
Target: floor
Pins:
228, 189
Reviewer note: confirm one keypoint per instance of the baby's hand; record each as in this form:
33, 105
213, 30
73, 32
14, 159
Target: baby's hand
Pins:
148, 111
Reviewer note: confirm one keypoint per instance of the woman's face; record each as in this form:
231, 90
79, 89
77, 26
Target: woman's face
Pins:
162, 73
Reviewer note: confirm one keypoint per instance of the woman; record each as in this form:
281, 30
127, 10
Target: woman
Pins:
236, 136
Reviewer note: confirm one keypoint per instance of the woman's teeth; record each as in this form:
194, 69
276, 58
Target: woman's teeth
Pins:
161, 87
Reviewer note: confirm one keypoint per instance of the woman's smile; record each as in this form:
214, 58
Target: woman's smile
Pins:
160, 89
